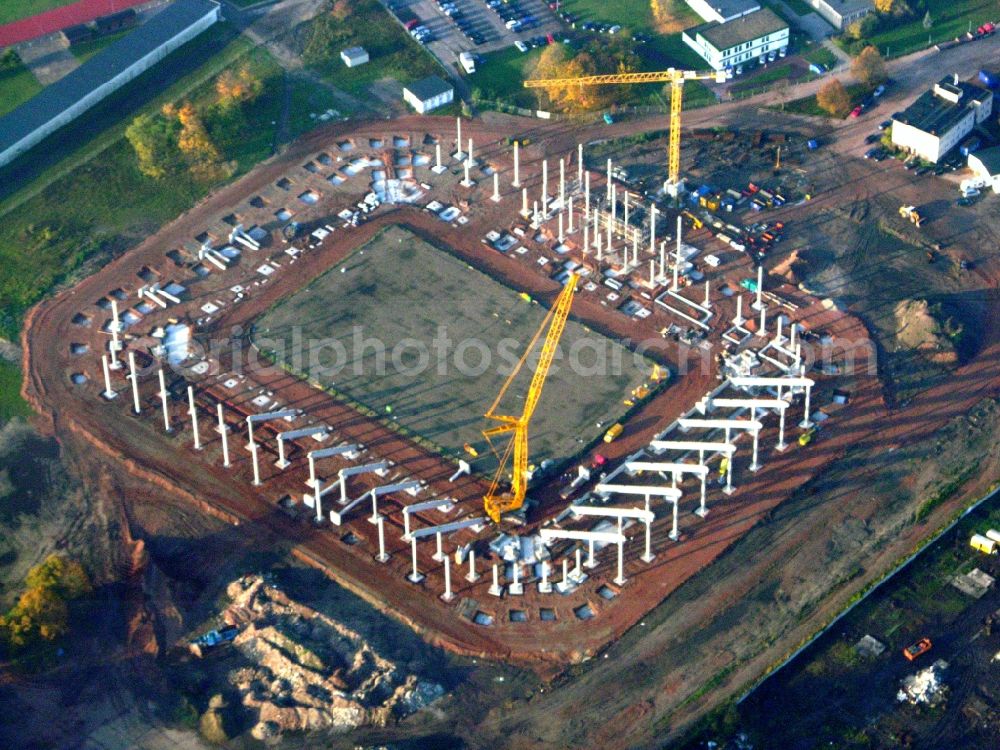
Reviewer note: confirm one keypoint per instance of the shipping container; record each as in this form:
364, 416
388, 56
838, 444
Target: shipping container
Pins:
981, 544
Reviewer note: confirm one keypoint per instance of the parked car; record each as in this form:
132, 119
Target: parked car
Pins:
885, 124
783, 51
870, 153
879, 90
873, 138
856, 112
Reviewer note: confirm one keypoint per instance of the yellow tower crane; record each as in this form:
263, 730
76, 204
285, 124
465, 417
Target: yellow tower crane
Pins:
672, 76
497, 503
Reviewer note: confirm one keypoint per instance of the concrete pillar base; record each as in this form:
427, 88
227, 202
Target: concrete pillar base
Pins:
496, 591
383, 558
472, 578
515, 589
647, 558
458, 156
515, 184
307, 500
283, 464
754, 467
467, 183
373, 520
780, 447
619, 581
673, 536
495, 198
447, 597
437, 558
544, 588
439, 170
590, 563
805, 424
728, 490
418, 578
701, 512
109, 395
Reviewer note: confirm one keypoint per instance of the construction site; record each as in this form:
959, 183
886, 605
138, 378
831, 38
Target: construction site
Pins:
632, 378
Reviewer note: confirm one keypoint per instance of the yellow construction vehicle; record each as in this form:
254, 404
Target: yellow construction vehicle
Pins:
672, 76
696, 223
657, 375
911, 213
496, 502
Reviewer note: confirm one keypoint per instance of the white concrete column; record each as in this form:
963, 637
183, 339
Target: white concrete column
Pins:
754, 465
470, 157
806, 423
415, 575
777, 335
728, 489
516, 588
524, 202
467, 182
738, 320
374, 517
620, 578
781, 430
447, 595
675, 533
496, 187
223, 432
535, 216
614, 203
437, 156
472, 576
545, 184
708, 301
544, 587
406, 526
762, 329
760, 288
591, 560
578, 570
579, 163
676, 281
586, 196
586, 238
652, 232
134, 377
495, 589
625, 206
438, 555
116, 329
647, 555
570, 212
702, 509
565, 576
562, 184
562, 235
108, 391
193, 412
517, 167
635, 250
256, 465
458, 138
163, 401
652, 272
680, 231
381, 556
609, 181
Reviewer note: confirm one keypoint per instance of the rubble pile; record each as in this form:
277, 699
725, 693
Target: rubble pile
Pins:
925, 687
307, 671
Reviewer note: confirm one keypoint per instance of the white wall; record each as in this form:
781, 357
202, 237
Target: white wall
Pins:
94, 96
721, 59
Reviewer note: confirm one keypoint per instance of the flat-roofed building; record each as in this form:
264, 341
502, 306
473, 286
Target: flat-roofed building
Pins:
63, 101
940, 118
842, 13
724, 45
428, 93
721, 11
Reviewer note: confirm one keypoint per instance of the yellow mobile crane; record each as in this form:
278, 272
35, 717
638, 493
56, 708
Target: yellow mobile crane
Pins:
497, 503
672, 76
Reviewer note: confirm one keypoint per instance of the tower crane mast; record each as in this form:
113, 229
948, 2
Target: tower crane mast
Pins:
674, 77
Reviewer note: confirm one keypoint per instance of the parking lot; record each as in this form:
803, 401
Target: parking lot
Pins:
455, 26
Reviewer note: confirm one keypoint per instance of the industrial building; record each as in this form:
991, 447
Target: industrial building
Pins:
721, 11
354, 56
842, 13
940, 118
723, 45
428, 93
985, 165
65, 100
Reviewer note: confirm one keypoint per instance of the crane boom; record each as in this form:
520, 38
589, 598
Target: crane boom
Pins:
496, 503
672, 76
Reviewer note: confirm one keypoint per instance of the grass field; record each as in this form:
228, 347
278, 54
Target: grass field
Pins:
17, 85
394, 54
950, 19
65, 213
498, 77
13, 10
634, 15
399, 288
799, 7
11, 403
821, 56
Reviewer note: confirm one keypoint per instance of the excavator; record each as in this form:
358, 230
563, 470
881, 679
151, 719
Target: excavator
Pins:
497, 502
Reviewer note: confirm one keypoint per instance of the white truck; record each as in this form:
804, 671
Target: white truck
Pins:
468, 62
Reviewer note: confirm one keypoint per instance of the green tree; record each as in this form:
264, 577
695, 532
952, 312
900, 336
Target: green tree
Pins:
869, 67
154, 140
832, 97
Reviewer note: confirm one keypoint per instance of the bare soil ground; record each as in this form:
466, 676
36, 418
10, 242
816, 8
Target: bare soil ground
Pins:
690, 652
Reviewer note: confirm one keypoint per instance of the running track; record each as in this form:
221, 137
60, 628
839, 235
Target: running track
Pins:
59, 18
